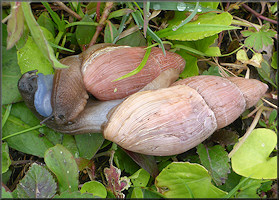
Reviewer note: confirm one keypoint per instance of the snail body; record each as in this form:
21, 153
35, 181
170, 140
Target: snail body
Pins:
156, 117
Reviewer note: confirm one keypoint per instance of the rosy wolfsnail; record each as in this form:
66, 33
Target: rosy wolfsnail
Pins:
153, 118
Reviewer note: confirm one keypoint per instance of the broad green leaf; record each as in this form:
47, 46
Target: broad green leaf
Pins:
257, 39
37, 183
110, 32
215, 159
206, 25
252, 158
232, 181
30, 142
213, 70
45, 21
274, 62
73, 195
139, 192
140, 178
62, 163
30, 58
70, 144
15, 24
184, 180
6, 161
249, 188
89, 144
124, 162
191, 67
94, 187
38, 36
84, 33
10, 76
5, 194
5, 177
135, 39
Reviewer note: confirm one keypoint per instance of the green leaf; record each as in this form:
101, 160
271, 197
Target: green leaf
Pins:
272, 116
206, 25
6, 161
15, 24
124, 162
89, 144
264, 72
135, 39
215, 159
5, 194
45, 21
110, 32
30, 142
62, 163
73, 195
213, 70
249, 188
257, 39
140, 178
120, 13
70, 144
252, 158
37, 183
94, 187
274, 62
184, 179
84, 33
30, 58
191, 67
10, 76
38, 36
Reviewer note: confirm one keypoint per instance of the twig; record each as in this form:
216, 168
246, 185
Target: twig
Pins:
258, 14
271, 104
248, 132
101, 23
68, 10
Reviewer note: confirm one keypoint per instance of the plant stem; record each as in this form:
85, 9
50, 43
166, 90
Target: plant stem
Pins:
68, 10
248, 132
101, 23
258, 14
24, 131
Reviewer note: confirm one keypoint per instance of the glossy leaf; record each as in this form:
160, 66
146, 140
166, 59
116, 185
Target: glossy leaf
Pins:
30, 58
84, 33
140, 178
89, 144
10, 76
37, 183
38, 36
6, 161
15, 24
252, 158
110, 32
206, 25
62, 163
30, 142
184, 180
215, 159
94, 187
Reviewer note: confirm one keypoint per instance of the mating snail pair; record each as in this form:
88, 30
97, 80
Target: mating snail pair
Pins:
149, 112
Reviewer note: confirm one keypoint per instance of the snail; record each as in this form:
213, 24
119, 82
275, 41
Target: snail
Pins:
158, 117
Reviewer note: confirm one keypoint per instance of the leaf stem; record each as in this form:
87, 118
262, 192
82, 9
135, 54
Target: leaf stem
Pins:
258, 14
24, 131
68, 10
248, 132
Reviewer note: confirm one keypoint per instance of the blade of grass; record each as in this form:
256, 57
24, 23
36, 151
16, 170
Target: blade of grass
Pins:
140, 22
137, 70
60, 24
121, 27
24, 131
39, 37
81, 23
6, 114
188, 18
234, 190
